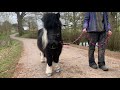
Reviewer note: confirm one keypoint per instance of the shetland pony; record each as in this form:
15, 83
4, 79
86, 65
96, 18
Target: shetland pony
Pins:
50, 41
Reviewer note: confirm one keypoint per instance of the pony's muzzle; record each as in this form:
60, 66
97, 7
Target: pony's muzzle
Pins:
53, 45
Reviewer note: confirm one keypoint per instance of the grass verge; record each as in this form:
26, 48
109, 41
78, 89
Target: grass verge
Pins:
9, 57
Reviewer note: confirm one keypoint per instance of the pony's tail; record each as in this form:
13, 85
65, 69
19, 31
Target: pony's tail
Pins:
39, 31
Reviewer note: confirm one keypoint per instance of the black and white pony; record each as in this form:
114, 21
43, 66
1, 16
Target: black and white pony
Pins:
50, 41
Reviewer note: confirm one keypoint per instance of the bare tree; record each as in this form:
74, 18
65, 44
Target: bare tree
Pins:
31, 22
20, 16
72, 19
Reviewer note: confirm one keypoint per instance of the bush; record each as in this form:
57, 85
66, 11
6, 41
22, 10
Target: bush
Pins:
30, 34
114, 42
4, 40
70, 35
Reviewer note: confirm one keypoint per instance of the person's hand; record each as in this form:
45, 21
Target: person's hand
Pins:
109, 33
84, 30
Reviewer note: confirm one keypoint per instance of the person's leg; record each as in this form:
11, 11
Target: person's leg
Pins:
101, 51
93, 38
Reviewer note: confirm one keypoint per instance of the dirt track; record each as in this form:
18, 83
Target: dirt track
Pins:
73, 61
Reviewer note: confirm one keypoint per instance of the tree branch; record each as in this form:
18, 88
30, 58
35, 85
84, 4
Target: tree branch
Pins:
23, 14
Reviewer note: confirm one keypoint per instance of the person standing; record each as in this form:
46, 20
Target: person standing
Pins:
97, 25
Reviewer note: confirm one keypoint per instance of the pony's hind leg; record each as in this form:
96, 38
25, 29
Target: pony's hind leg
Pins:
42, 57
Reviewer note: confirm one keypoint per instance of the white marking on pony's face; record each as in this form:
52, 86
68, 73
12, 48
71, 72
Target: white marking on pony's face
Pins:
44, 38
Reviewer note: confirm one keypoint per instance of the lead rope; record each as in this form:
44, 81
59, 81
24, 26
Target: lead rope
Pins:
81, 36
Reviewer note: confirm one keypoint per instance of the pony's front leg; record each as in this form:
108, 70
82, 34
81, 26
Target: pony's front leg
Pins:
49, 70
57, 67
49, 66
56, 62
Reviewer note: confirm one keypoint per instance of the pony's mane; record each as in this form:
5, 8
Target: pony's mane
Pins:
51, 21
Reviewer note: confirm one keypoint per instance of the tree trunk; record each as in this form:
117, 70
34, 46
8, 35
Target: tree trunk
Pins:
20, 27
74, 21
20, 20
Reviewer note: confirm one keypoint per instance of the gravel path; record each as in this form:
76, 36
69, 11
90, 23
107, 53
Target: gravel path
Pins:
73, 61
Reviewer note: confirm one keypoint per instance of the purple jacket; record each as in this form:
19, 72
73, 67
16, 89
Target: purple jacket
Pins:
90, 22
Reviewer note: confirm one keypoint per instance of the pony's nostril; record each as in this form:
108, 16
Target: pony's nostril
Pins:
53, 44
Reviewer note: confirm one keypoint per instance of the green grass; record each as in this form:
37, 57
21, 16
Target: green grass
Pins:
9, 57
2, 37
29, 34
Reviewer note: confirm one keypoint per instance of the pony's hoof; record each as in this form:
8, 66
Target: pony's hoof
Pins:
42, 61
58, 70
49, 74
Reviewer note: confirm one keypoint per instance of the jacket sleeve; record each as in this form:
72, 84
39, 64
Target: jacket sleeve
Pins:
86, 20
108, 24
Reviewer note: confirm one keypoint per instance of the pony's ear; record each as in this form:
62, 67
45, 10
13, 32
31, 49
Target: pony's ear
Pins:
58, 15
